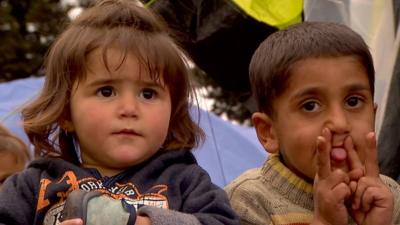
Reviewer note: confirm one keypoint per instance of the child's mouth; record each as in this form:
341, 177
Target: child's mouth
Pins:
338, 153
127, 132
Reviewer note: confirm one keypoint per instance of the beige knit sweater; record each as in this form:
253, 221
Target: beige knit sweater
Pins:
273, 194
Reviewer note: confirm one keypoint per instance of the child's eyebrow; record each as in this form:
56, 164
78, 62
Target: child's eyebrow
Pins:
358, 87
152, 84
101, 81
306, 91
110, 81
315, 90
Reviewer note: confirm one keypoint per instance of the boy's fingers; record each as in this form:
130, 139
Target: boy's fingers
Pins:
353, 186
352, 156
354, 162
326, 133
356, 174
367, 199
358, 194
341, 191
323, 158
371, 161
339, 182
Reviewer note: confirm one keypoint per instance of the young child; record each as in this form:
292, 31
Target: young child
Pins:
113, 117
314, 87
14, 154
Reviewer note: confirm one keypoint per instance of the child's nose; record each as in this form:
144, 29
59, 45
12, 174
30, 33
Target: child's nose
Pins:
337, 120
128, 106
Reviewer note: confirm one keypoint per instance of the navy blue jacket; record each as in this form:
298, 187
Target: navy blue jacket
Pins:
170, 188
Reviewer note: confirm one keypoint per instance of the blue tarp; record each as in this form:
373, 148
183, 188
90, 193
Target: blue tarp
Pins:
228, 150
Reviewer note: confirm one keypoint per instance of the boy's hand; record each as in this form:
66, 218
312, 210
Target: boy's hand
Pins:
331, 188
372, 201
354, 164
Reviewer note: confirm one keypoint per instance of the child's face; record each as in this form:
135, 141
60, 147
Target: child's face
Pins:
120, 119
322, 92
9, 164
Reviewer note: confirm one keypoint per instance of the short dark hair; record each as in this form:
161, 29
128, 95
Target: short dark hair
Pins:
271, 64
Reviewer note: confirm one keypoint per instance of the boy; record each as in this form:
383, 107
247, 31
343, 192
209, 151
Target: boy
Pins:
314, 87
113, 131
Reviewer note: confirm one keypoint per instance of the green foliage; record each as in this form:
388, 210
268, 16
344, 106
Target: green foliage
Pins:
27, 28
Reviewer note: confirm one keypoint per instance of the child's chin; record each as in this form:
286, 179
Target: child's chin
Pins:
128, 160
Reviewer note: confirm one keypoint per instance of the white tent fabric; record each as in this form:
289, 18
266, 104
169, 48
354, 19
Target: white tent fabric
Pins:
228, 151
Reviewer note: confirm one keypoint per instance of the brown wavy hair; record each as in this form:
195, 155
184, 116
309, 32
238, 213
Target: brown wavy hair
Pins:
131, 28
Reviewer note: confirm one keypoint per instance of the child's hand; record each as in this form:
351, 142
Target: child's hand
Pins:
331, 188
142, 220
72, 222
372, 201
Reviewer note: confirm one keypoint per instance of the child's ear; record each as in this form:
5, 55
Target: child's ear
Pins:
265, 132
65, 121
67, 125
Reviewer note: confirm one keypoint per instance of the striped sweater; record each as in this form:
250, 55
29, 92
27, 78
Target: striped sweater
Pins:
273, 194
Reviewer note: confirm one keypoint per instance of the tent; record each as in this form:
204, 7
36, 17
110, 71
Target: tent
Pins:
228, 151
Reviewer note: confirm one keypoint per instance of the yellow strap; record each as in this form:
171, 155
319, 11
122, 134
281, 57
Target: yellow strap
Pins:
276, 13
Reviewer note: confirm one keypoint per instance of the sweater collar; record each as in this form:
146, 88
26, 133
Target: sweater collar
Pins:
287, 183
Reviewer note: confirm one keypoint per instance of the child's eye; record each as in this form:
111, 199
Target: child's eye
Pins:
148, 93
354, 101
107, 91
310, 106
